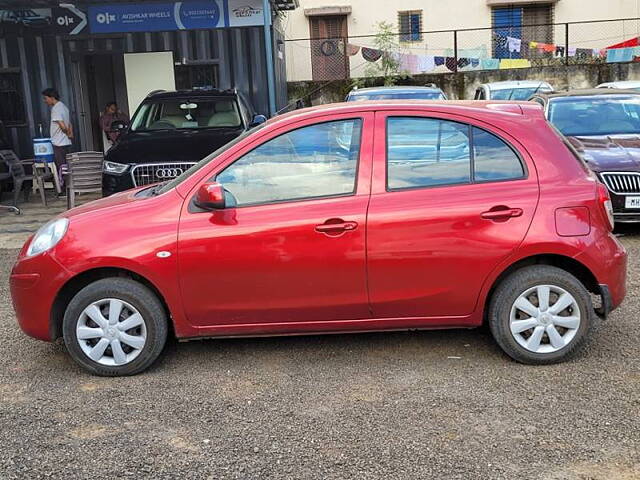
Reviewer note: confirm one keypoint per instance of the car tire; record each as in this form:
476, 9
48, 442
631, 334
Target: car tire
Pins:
562, 335
122, 303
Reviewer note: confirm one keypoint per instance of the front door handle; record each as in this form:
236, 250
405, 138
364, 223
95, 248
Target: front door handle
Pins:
503, 213
336, 226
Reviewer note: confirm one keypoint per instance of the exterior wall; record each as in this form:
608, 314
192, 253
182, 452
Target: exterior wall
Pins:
48, 60
453, 14
462, 86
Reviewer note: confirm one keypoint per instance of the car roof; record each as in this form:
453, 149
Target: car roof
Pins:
620, 84
588, 92
213, 92
461, 107
394, 89
517, 83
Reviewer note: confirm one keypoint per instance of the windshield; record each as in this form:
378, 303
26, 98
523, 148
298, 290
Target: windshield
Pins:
397, 96
185, 114
514, 93
187, 173
589, 115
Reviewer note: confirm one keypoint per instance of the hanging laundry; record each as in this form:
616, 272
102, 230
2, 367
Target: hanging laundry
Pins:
584, 53
475, 62
514, 44
514, 63
499, 41
463, 62
371, 54
352, 49
620, 55
533, 44
548, 47
426, 63
489, 64
451, 64
408, 63
439, 61
560, 51
572, 51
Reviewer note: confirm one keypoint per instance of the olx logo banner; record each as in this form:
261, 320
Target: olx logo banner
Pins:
187, 15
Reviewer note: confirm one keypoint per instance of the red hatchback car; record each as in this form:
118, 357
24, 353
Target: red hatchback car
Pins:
344, 218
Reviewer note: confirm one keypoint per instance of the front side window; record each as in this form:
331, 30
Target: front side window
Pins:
310, 162
427, 152
187, 114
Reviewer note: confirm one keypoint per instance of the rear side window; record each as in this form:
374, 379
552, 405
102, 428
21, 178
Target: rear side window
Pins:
493, 159
427, 152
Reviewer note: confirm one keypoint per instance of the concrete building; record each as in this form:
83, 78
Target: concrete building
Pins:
477, 22
97, 51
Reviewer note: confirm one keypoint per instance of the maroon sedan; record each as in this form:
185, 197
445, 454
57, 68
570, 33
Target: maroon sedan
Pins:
345, 218
604, 128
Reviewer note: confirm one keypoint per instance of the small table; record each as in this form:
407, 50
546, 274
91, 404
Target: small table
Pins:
44, 166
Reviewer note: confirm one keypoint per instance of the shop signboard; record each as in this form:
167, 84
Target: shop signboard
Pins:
187, 15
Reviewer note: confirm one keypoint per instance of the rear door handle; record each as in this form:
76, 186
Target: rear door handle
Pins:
337, 227
503, 213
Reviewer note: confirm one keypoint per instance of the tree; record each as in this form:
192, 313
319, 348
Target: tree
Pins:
388, 66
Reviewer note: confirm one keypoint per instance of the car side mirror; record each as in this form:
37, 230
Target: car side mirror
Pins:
210, 196
118, 126
257, 120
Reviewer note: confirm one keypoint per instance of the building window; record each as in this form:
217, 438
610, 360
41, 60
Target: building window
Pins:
410, 26
196, 76
12, 111
528, 23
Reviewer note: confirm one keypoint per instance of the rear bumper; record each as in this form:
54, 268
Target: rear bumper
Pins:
607, 303
606, 258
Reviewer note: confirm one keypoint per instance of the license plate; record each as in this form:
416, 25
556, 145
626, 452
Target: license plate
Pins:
632, 202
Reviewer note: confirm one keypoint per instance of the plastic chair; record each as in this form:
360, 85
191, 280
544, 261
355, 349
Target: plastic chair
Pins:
84, 174
19, 176
4, 176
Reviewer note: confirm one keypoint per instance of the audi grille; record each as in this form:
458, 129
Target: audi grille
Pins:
149, 173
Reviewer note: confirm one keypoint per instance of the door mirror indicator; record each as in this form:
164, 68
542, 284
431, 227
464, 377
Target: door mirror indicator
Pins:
257, 120
118, 126
210, 196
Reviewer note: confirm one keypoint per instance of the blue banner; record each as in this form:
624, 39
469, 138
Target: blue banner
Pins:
155, 17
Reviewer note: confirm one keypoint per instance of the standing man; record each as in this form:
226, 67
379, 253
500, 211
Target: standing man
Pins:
60, 130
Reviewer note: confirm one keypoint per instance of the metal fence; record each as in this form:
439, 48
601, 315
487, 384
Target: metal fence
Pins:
491, 48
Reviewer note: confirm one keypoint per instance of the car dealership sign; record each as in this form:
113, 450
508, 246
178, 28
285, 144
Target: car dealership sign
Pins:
187, 15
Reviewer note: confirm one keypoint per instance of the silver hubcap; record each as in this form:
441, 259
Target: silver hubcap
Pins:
111, 332
544, 319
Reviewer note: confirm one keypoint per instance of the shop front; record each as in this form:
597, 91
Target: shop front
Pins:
98, 52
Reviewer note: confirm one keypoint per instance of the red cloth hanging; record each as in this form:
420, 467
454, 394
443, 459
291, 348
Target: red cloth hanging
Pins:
632, 42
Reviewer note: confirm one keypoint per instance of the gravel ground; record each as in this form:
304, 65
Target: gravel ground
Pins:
442, 404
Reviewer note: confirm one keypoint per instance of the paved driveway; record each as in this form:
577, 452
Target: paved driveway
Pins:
443, 404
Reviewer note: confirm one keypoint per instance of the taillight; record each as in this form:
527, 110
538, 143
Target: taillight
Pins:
605, 202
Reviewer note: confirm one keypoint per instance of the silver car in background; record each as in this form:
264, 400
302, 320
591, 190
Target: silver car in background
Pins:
511, 90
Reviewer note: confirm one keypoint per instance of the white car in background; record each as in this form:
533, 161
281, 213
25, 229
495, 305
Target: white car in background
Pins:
511, 90
625, 85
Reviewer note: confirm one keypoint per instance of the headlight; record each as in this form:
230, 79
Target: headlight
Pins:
48, 236
113, 167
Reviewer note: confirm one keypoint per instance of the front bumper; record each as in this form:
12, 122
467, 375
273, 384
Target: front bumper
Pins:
35, 283
114, 183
